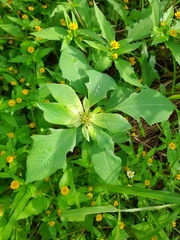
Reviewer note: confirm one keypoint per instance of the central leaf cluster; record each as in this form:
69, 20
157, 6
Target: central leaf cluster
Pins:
86, 118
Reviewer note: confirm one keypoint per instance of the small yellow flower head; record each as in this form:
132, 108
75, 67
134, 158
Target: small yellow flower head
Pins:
48, 212
46, 179
59, 212
13, 83
63, 22
93, 203
30, 8
121, 225
14, 184
173, 32
10, 42
25, 91
51, 223
11, 69
1, 77
90, 195
73, 26
153, 238
1, 210
19, 100
62, 82
38, 28
147, 182
32, 125
126, 7
133, 134
173, 224
99, 217
90, 189
130, 174
114, 56
126, 1
64, 190
177, 14
10, 135
44, 6
42, 70
126, 168
90, 3
162, 24
15, 71
10, 159
115, 203
24, 16
46, 100
163, 47
2, 152
114, 44
150, 160
132, 61
30, 49
172, 145
22, 80
11, 103
178, 176
144, 153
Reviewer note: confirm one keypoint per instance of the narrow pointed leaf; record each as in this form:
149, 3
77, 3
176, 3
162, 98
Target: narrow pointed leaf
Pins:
148, 104
98, 86
48, 153
114, 123
174, 47
15, 31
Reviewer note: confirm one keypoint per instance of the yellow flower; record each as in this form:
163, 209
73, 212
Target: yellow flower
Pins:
177, 14
15, 71
90, 3
9, 159
173, 224
10, 42
62, 82
133, 134
42, 70
24, 16
64, 190
93, 203
46, 179
14, 184
22, 80
162, 24
90, 189
126, 168
25, 91
13, 83
172, 145
32, 125
126, 1
99, 217
11, 103
144, 153
114, 56
10, 135
18, 100
114, 44
1, 77
46, 100
63, 22
2, 152
121, 225
30, 8
44, 6
153, 238
147, 182
173, 32
59, 212
48, 212
90, 195
132, 61
126, 7
73, 26
115, 203
51, 223
150, 160
11, 69
38, 28
30, 49
178, 176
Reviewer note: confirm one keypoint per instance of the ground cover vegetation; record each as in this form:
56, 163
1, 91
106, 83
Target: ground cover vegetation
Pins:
89, 120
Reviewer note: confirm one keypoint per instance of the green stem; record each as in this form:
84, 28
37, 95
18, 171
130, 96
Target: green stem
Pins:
174, 75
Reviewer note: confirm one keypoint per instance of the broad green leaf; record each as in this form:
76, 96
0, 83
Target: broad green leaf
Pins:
92, 35
174, 47
168, 16
126, 71
96, 45
16, 20
48, 153
157, 10
114, 123
102, 139
119, 8
98, 86
15, 31
105, 26
128, 48
148, 104
140, 29
80, 214
106, 164
103, 64
22, 59
52, 33
58, 114
73, 65
66, 96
